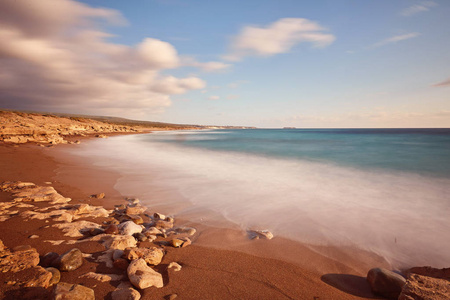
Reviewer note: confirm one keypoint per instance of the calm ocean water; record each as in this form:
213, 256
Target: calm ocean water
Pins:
383, 190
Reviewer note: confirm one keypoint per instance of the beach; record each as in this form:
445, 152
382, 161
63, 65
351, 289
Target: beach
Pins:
220, 263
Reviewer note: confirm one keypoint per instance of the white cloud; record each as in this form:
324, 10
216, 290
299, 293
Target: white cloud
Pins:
277, 37
395, 39
418, 8
211, 66
213, 98
56, 57
442, 83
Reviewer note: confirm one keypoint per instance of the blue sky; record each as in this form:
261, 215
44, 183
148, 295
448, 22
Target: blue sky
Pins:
371, 63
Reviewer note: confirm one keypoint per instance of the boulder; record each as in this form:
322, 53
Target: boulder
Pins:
68, 291
420, 287
129, 228
71, 260
142, 276
151, 256
385, 283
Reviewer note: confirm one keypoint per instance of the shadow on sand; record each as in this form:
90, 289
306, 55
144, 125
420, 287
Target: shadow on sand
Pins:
350, 284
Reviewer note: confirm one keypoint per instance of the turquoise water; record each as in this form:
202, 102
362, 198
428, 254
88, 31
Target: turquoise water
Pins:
424, 151
382, 190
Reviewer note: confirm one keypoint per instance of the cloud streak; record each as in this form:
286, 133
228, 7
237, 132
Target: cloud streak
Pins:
442, 83
395, 39
278, 37
56, 57
423, 6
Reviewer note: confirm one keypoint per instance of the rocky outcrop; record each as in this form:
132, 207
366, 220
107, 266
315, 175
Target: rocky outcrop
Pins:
19, 128
18, 260
385, 283
426, 283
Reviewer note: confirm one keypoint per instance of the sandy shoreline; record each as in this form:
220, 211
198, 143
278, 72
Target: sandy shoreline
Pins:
221, 263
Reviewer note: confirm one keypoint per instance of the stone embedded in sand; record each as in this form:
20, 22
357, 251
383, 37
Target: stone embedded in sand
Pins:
186, 230
151, 256
158, 216
172, 296
49, 259
125, 291
136, 219
66, 291
117, 241
385, 283
142, 276
33, 236
260, 234
40, 278
56, 275
71, 260
129, 228
175, 266
76, 229
153, 231
177, 243
18, 260
102, 277
424, 287
140, 237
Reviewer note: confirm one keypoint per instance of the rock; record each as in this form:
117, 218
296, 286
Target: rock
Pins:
142, 276
71, 260
98, 196
95, 231
41, 278
136, 219
177, 243
431, 272
186, 230
133, 200
151, 256
175, 266
260, 234
112, 229
119, 242
419, 287
169, 219
68, 291
22, 248
121, 264
117, 254
129, 228
385, 283
56, 275
34, 236
125, 291
140, 237
186, 243
50, 259
19, 260
158, 216
160, 224
172, 296
2, 246
153, 231
135, 209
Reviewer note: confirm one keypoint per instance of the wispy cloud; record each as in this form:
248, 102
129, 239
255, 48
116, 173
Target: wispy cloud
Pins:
213, 98
277, 37
55, 56
395, 39
442, 83
422, 6
232, 97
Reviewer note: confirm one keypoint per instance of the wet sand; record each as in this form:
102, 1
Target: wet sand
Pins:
222, 263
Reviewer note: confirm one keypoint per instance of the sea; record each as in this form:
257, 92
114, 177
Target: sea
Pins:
381, 190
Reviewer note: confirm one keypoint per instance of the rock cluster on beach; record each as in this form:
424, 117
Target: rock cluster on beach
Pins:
121, 236
19, 128
419, 283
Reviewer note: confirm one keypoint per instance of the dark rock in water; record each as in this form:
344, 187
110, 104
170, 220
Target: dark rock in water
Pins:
71, 260
56, 275
49, 259
112, 229
140, 237
66, 291
96, 231
420, 287
385, 283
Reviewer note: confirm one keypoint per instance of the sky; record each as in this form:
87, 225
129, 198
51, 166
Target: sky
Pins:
263, 63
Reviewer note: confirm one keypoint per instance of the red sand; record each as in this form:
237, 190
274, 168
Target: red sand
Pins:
221, 263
